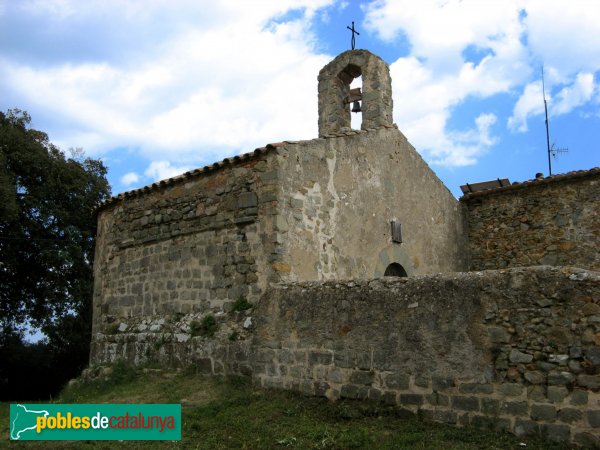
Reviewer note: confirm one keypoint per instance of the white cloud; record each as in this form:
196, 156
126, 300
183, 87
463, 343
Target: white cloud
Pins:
563, 35
530, 103
462, 148
577, 94
439, 31
160, 170
437, 76
229, 76
227, 80
513, 38
130, 178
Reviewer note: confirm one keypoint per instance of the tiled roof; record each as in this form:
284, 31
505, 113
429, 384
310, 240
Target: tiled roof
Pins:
535, 182
232, 161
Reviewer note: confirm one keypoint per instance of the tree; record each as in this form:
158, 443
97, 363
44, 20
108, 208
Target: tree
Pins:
47, 232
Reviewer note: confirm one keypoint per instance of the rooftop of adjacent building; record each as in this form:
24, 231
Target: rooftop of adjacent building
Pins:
477, 190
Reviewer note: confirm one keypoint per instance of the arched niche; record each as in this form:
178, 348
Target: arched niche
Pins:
395, 270
390, 255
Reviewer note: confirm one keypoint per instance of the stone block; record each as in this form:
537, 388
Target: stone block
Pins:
556, 394
389, 398
560, 378
498, 335
518, 357
526, 428
437, 399
203, 365
559, 359
490, 423
490, 406
592, 354
264, 355
594, 418
363, 360
579, 397
354, 392
411, 399
514, 408
543, 412
315, 357
272, 383
247, 200
397, 381
569, 415
362, 377
475, 388
335, 376
587, 440
589, 381
421, 381
320, 388
439, 415
465, 403
375, 394
535, 377
511, 389
442, 384
343, 359
281, 224
575, 352
545, 366
556, 433
306, 387
537, 393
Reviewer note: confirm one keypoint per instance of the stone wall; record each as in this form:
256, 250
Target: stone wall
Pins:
192, 244
338, 197
553, 221
515, 349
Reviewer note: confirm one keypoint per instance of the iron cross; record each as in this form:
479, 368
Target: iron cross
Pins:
353, 33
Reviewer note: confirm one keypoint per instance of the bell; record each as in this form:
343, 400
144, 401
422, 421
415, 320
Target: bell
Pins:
356, 107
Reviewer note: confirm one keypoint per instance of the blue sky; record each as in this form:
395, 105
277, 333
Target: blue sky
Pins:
155, 88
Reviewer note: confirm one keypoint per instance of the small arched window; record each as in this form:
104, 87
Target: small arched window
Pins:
395, 270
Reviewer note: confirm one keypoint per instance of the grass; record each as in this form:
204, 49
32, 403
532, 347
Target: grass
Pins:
229, 413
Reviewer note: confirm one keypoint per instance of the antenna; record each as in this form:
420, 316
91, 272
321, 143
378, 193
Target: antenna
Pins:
552, 151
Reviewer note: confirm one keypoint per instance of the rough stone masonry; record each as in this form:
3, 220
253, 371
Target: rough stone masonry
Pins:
271, 264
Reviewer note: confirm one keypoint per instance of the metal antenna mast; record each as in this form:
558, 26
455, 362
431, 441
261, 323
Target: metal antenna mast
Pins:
551, 150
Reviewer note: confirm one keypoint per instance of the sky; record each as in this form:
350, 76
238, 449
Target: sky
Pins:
158, 87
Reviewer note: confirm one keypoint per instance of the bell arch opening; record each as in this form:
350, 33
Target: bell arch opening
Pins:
351, 96
356, 104
395, 270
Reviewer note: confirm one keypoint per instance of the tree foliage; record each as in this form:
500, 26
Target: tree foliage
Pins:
47, 233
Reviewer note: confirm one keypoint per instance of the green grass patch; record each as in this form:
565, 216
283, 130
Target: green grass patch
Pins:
230, 413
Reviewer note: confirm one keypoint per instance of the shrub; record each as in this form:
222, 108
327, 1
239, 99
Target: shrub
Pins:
241, 304
207, 327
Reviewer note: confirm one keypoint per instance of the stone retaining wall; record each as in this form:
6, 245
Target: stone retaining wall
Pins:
515, 349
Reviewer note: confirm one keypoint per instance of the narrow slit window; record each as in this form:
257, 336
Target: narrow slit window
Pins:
396, 231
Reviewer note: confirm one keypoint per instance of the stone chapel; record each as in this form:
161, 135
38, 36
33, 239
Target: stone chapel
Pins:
342, 267
291, 211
